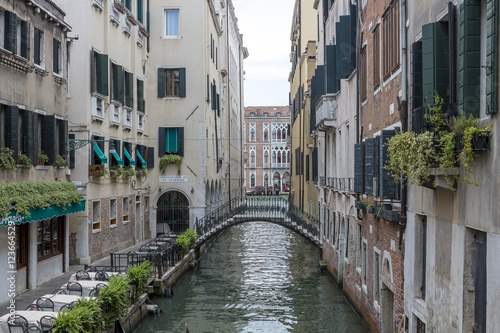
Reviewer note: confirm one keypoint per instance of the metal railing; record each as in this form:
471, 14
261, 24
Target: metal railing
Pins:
419, 117
322, 181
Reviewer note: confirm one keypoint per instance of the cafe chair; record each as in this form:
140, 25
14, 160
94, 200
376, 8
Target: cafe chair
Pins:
101, 276
17, 324
47, 324
74, 288
82, 275
45, 303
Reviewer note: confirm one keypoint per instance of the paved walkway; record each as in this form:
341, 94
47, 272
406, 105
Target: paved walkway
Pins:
47, 287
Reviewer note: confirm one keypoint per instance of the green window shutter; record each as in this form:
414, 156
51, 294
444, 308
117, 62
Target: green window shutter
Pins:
37, 59
387, 185
118, 83
172, 140
72, 153
12, 129
56, 46
416, 77
148, 24
63, 138
218, 106
129, 89
435, 64
140, 11
102, 74
346, 50
25, 39
161, 82
332, 83
491, 56
10, 37
28, 139
369, 165
213, 97
358, 167
469, 66
208, 88
180, 131
315, 164
128, 4
452, 54
307, 168
150, 158
140, 95
182, 82
49, 137
161, 141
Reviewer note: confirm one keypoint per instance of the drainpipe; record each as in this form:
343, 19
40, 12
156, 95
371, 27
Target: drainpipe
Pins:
358, 111
403, 111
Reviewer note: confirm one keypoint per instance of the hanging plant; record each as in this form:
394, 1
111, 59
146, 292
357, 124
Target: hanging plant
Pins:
128, 172
116, 171
6, 160
142, 172
170, 159
24, 161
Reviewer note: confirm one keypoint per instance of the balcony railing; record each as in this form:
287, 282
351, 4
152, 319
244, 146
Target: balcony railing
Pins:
339, 184
326, 113
281, 165
322, 181
420, 123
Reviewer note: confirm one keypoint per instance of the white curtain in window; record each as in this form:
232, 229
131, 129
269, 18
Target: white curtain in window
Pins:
172, 22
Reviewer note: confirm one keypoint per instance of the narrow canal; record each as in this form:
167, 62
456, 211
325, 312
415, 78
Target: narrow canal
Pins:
256, 277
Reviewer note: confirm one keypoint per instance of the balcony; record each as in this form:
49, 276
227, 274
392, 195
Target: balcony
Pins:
281, 165
420, 123
339, 184
326, 113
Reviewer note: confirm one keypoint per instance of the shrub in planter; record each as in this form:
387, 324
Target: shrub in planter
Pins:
170, 159
142, 172
114, 299
187, 241
6, 160
128, 172
60, 161
116, 171
138, 275
42, 158
24, 161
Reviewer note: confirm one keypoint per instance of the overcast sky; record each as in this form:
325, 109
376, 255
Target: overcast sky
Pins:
265, 25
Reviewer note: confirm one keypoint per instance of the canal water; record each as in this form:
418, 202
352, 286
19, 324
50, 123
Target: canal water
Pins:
256, 277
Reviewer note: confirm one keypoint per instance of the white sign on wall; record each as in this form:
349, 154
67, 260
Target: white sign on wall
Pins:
173, 179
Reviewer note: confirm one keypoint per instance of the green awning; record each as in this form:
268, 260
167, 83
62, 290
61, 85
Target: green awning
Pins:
127, 155
117, 158
40, 214
99, 153
144, 164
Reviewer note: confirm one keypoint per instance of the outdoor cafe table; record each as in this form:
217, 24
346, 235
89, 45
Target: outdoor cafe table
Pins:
33, 318
92, 275
61, 299
87, 286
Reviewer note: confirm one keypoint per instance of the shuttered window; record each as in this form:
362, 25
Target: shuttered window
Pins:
358, 167
171, 82
25, 39
388, 188
49, 138
129, 89
56, 56
38, 46
117, 83
369, 166
171, 141
10, 37
376, 57
94, 158
62, 126
297, 161
30, 135
469, 70
315, 164
416, 75
332, 83
363, 74
141, 103
99, 73
150, 157
346, 45
435, 63
391, 39
492, 12
140, 11
307, 168
12, 129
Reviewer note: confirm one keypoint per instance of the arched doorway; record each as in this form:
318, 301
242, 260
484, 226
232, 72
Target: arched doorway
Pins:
276, 180
172, 213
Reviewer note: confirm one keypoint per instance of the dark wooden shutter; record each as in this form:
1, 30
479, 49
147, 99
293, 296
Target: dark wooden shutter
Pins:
346, 51
28, 139
102, 74
307, 168
12, 129
492, 56
325, 10
358, 167
161, 141
416, 78
369, 165
140, 11
469, 64
319, 89
129, 89
49, 135
452, 54
56, 47
25, 39
332, 83
36, 43
208, 88
150, 159
315, 164
118, 83
387, 185
161, 82
128, 5
218, 106
435, 65
480, 283
181, 140
140, 95
182, 82
214, 94
297, 161
72, 152
10, 39
63, 138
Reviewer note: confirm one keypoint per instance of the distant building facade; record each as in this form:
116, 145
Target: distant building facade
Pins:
267, 131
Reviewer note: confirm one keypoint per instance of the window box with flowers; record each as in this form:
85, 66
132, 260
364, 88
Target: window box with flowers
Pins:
119, 6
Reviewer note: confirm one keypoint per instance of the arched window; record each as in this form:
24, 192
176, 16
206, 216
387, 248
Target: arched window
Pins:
252, 132
266, 132
252, 158
274, 157
252, 180
266, 158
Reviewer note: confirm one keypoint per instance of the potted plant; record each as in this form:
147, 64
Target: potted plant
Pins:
170, 159
6, 160
138, 276
42, 158
60, 161
24, 161
142, 172
143, 31
119, 6
128, 172
114, 299
116, 171
131, 18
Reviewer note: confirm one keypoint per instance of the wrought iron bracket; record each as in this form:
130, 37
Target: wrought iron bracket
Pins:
74, 144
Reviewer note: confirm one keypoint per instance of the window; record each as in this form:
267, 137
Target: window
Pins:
391, 39
114, 114
420, 255
358, 245
365, 263
96, 215
56, 57
49, 237
129, 89
376, 280
22, 242
125, 209
252, 179
127, 118
38, 52
97, 108
252, 132
140, 122
363, 74
171, 23
266, 157
140, 11
376, 57
112, 212
128, 4
15, 34
171, 141
117, 83
171, 82
252, 157
99, 73
141, 103
266, 132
